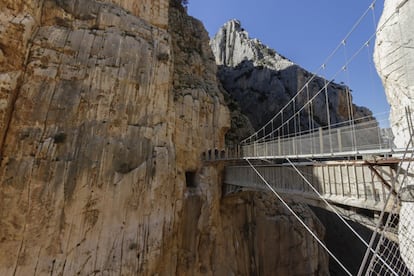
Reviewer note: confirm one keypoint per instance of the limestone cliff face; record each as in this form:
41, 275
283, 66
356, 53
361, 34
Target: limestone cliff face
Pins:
88, 148
256, 75
262, 238
105, 110
394, 59
202, 118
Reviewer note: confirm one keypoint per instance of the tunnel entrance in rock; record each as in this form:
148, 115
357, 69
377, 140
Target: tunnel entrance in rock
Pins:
190, 179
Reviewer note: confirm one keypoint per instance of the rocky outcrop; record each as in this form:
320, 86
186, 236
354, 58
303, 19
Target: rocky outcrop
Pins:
96, 147
89, 145
202, 118
258, 77
269, 231
394, 59
105, 110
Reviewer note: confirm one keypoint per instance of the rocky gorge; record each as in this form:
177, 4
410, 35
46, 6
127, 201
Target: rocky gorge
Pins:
106, 108
254, 74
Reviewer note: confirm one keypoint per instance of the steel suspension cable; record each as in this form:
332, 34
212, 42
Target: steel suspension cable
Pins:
298, 218
327, 60
346, 65
394, 181
328, 115
349, 99
337, 214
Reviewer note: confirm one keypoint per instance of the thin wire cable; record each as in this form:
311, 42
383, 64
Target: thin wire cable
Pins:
338, 215
381, 240
327, 60
323, 66
298, 218
349, 98
373, 237
328, 116
335, 75
310, 119
339, 71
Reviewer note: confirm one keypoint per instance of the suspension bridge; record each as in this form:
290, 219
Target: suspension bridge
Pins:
343, 166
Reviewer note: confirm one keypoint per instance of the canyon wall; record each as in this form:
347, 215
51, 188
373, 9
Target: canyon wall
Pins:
96, 145
255, 75
105, 110
394, 59
88, 148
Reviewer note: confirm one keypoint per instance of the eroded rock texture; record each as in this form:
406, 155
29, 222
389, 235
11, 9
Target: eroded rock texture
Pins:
256, 75
88, 152
105, 110
394, 59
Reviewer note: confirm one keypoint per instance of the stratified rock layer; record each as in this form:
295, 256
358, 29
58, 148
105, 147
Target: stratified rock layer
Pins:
263, 82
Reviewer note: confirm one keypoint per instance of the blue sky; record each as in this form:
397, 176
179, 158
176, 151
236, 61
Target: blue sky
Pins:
307, 31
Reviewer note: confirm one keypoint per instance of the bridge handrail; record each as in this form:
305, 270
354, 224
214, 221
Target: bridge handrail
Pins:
363, 136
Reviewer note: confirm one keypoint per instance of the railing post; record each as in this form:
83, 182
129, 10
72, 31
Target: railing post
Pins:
379, 137
293, 145
320, 140
339, 139
254, 148
279, 146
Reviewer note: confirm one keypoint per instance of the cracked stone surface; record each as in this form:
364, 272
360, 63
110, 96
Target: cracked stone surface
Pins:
104, 107
394, 59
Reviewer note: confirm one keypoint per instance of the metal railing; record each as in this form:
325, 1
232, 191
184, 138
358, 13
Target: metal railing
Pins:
350, 183
350, 139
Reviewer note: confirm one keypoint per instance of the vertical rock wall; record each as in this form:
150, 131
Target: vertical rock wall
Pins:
394, 59
202, 118
105, 110
248, 234
18, 22
89, 148
153, 11
263, 82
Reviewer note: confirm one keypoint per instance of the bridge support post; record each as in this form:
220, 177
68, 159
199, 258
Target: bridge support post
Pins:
279, 148
339, 140
294, 145
254, 149
320, 140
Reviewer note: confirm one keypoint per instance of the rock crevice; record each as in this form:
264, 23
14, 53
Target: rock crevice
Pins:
116, 102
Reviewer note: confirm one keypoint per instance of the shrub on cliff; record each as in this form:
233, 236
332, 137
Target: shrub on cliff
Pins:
182, 4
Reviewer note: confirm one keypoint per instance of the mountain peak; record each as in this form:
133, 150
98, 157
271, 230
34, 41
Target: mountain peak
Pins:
232, 46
